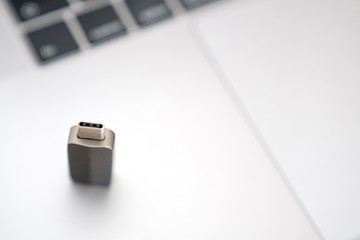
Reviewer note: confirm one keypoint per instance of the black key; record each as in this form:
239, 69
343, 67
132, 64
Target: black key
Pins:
52, 42
101, 24
147, 12
189, 4
26, 9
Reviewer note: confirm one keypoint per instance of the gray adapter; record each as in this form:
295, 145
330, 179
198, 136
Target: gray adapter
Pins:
90, 153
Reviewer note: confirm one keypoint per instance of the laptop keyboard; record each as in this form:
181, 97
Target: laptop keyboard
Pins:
27, 10
101, 24
148, 12
57, 28
52, 41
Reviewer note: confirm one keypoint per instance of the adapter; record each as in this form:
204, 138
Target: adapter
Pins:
90, 153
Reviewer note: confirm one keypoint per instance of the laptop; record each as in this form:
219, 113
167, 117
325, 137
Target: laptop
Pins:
233, 119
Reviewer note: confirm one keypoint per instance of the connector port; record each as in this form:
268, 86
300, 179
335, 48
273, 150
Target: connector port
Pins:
93, 125
93, 131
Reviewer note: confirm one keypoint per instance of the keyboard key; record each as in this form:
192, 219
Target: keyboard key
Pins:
148, 12
101, 24
26, 9
189, 4
52, 42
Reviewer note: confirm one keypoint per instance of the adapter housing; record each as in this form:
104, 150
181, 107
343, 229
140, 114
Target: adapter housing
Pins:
90, 160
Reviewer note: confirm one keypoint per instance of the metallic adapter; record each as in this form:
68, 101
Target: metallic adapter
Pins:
90, 153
